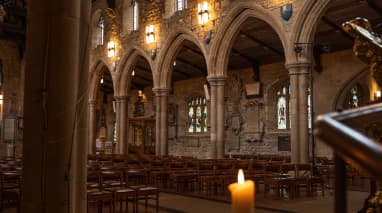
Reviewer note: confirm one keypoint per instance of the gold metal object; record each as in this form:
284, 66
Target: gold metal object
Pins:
368, 47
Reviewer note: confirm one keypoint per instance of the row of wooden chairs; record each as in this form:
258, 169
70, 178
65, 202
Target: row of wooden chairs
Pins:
112, 187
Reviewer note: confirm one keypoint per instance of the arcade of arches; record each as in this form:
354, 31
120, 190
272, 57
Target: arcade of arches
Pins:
166, 79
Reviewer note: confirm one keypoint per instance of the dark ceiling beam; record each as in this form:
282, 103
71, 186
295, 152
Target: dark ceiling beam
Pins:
262, 43
143, 68
184, 75
343, 6
194, 66
377, 7
139, 80
143, 75
251, 60
194, 51
336, 27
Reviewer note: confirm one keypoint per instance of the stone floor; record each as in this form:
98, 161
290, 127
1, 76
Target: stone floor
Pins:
175, 203
172, 202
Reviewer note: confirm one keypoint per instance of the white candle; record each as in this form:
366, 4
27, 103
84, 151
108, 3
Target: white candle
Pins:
242, 195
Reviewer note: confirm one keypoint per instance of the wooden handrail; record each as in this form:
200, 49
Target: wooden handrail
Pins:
342, 131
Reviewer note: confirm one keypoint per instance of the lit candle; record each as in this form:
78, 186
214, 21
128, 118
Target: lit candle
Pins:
242, 195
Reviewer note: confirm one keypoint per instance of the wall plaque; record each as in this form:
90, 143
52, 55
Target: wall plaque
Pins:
284, 143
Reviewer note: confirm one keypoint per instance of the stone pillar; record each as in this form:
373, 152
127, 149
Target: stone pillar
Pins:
92, 127
303, 109
212, 121
54, 153
117, 113
121, 110
78, 177
217, 115
161, 97
299, 112
157, 123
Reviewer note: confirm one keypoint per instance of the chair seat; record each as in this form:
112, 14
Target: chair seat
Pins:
99, 193
126, 190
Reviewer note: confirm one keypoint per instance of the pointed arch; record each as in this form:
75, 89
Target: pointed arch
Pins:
95, 75
306, 23
169, 52
229, 29
343, 92
125, 67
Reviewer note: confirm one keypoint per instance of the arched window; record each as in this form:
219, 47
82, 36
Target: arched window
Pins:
134, 13
197, 115
284, 108
283, 105
101, 27
181, 5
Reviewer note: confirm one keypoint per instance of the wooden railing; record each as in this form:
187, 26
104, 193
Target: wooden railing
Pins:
346, 132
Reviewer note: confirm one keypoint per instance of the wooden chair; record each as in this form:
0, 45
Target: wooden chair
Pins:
303, 175
115, 182
96, 194
10, 189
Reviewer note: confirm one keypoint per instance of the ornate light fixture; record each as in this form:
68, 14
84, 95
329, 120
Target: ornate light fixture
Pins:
150, 36
1, 99
203, 14
110, 49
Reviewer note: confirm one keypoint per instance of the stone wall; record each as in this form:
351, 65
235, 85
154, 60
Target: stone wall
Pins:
339, 69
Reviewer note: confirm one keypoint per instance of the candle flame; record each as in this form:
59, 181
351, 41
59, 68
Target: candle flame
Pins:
240, 177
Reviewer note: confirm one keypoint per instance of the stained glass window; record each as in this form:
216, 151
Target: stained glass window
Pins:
284, 115
181, 5
282, 108
135, 16
197, 115
101, 26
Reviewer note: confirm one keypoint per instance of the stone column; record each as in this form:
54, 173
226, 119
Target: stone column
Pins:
78, 177
299, 112
92, 127
117, 148
217, 115
121, 106
161, 129
212, 121
157, 123
303, 109
54, 152
163, 122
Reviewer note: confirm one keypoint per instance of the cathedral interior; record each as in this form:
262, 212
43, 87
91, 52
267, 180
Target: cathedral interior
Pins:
157, 105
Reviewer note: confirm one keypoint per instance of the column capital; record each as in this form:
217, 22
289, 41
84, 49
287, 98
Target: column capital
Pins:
161, 91
217, 80
298, 68
119, 99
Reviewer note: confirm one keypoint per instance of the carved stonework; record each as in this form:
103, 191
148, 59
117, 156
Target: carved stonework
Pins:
255, 126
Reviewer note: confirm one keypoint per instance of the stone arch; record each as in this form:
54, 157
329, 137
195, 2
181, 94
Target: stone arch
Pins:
227, 32
306, 22
125, 68
342, 93
95, 76
170, 50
